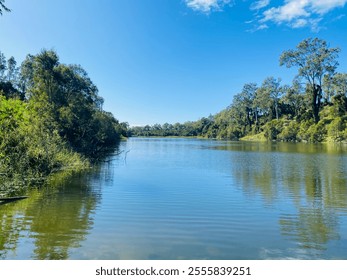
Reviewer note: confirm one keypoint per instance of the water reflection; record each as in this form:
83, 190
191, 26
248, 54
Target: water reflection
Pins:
299, 175
189, 199
52, 221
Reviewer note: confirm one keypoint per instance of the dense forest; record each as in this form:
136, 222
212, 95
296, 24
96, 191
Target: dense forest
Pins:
51, 119
312, 109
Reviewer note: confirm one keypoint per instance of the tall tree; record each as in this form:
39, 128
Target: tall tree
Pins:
275, 91
3, 66
335, 85
314, 60
294, 99
12, 70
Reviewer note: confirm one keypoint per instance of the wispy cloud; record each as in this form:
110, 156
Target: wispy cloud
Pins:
257, 5
206, 6
257, 28
300, 13
293, 13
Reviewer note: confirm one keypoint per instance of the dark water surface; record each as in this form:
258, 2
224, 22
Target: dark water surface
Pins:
189, 199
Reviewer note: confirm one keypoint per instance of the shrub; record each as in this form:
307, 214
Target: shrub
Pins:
289, 132
273, 128
337, 129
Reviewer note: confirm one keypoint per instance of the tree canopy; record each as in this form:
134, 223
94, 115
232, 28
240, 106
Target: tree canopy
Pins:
315, 61
51, 117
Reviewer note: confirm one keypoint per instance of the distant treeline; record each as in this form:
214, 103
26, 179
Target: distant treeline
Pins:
51, 117
312, 109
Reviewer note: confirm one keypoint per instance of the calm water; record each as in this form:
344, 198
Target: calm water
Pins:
189, 199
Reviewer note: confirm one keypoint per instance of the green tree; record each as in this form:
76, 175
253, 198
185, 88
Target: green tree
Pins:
293, 100
275, 91
12, 70
314, 60
335, 85
3, 66
72, 102
262, 101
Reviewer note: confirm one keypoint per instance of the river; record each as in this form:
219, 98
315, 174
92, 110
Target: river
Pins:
173, 198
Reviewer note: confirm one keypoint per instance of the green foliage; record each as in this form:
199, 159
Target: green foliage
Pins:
337, 129
27, 148
272, 129
290, 132
72, 104
311, 112
51, 119
317, 132
315, 61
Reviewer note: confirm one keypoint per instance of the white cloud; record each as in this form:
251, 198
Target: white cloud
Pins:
206, 6
257, 28
324, 6
300, 13
301, 22
257, 5
293, 13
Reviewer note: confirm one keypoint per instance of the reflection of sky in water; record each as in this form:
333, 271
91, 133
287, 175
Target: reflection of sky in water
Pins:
196, 199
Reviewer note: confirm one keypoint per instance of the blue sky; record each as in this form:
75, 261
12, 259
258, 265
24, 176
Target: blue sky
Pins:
157, 61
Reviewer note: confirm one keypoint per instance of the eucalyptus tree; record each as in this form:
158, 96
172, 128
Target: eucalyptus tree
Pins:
314, 60
335, 85
244, 102
3, 67
12, 70
336, 93
274, 91
293, 99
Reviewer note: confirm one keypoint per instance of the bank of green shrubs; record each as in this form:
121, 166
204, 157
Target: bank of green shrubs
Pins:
51, 119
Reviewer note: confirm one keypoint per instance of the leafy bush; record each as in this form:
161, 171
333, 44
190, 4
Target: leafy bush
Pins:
289, 132
337, 129
272, 129
27, 147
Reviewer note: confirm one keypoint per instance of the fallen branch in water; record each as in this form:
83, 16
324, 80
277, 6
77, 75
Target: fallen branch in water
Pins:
13, 198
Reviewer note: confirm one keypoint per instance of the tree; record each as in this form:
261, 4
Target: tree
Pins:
9, 78
3, 66
335, 85
262, 102
12, 70
294, 99
3, 7
314, 60
268, 96
275, 92
71, 103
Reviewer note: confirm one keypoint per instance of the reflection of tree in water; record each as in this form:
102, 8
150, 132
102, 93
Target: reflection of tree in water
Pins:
312, 228
317, 220
314, 183
58, 219
9, 231
12, 224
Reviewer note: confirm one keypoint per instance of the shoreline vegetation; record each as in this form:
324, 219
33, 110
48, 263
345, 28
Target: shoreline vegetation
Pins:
51, 120
312, 109
51, 116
